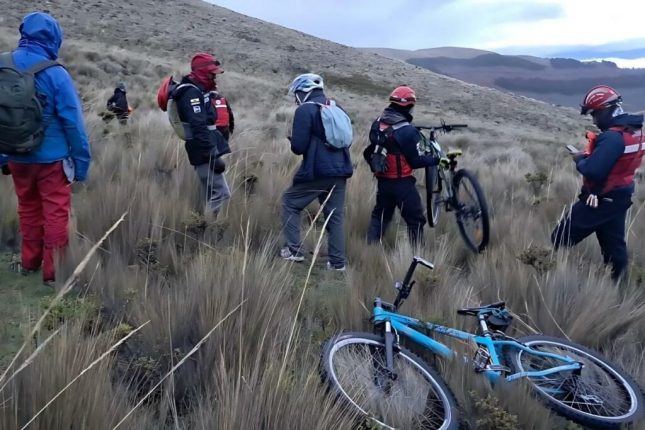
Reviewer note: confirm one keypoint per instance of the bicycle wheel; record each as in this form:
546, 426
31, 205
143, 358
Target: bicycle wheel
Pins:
602, 395
353, 364
433, 194
471, 210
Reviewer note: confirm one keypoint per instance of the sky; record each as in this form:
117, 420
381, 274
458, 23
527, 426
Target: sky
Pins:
535, 27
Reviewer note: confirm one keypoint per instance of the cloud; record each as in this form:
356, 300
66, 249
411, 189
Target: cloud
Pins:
418, 24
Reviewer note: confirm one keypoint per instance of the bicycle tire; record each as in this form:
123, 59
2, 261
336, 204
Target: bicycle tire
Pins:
406, 365
596, 369
433, 195
462, 211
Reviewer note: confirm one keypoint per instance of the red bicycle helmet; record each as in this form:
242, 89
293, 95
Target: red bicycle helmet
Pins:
403, 96
598, 98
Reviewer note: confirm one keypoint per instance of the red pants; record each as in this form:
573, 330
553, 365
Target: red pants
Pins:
44, 198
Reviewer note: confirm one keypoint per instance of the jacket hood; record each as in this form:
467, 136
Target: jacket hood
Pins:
393, 116
635, 121
39, 30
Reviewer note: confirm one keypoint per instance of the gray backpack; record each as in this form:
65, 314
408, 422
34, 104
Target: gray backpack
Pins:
21, 113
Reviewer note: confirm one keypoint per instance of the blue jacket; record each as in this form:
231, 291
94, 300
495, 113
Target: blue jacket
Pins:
65, 136
609, 147
308, 140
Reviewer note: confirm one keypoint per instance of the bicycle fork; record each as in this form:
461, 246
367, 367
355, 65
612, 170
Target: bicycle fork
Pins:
389, 351
383, 366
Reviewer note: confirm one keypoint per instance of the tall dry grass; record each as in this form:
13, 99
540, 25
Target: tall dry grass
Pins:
168, 265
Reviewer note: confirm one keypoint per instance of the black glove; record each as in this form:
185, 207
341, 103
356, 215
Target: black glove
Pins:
5, 170
218, 166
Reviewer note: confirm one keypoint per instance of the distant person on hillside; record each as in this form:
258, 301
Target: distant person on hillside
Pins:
204, 144
322, 174
393, 154
42, 176
607, 165
118, 103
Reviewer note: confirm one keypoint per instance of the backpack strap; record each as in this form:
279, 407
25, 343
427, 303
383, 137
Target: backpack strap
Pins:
42, 65
181, 87
6, 60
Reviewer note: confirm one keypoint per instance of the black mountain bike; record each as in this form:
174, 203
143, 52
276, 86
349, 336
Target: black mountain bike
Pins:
455, 190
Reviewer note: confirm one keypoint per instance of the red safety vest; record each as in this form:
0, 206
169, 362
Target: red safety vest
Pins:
622, 174
397, 165
221, 107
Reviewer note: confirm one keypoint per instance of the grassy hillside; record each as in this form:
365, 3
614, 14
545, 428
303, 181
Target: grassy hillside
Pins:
184, 278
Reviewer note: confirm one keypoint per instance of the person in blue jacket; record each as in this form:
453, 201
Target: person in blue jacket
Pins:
322, 174
42, 177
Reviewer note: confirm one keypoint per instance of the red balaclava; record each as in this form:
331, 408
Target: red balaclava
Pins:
203, 66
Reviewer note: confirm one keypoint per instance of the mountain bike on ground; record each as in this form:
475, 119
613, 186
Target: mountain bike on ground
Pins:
394, 388
455, 190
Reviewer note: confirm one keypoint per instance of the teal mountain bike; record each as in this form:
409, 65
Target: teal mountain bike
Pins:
394, 388
456, 191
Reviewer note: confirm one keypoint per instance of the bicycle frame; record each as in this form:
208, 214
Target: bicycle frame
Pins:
445, 173
405, 325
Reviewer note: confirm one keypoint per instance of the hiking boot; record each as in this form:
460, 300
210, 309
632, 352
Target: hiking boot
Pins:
290, 255
50, 283
336, 267
24, 271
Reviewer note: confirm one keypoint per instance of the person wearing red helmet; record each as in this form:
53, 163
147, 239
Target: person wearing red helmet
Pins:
205, 145
608, 166
396, 141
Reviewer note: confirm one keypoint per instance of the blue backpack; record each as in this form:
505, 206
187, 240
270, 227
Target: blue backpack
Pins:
338, 126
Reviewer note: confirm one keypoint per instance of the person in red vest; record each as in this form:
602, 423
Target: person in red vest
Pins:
608, 166
393, 131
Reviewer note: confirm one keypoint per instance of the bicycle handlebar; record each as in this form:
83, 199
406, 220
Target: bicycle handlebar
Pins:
443, 127
407, 284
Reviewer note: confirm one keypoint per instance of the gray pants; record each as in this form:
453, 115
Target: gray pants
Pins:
214, 188
298, 196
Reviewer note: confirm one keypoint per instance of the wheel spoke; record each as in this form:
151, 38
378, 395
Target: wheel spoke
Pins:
597, 391
410, 400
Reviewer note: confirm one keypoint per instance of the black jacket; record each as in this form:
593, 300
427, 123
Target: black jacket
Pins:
308, 140
118, 103
195, 109
406, 138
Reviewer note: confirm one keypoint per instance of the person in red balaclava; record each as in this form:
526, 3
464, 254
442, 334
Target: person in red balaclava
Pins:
204, 144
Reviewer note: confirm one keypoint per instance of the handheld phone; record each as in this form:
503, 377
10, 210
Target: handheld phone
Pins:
572, 149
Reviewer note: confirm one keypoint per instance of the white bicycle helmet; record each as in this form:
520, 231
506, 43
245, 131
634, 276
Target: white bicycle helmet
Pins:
306, 83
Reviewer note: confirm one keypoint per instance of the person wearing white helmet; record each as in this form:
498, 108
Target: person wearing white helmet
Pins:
322, 174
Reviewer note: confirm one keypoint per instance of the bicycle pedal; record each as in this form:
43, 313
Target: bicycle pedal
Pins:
499, 368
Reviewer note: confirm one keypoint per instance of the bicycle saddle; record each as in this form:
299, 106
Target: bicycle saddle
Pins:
488, 309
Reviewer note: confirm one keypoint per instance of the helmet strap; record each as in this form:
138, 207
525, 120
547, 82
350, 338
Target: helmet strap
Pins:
303, 100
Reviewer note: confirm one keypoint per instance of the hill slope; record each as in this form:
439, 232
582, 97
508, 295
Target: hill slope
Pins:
252, 47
